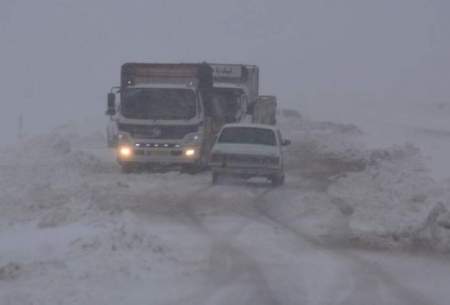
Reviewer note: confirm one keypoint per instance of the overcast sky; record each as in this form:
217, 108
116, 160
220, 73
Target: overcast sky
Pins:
59, 58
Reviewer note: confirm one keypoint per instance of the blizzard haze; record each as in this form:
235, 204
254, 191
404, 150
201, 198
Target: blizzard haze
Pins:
59, 58
363, 215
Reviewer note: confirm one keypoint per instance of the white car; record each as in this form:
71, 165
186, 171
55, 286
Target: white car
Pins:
248, 150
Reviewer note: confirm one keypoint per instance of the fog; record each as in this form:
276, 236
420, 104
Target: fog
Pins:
362, 216
58, 59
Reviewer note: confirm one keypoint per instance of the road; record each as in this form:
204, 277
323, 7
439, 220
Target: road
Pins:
75, 230
258, 253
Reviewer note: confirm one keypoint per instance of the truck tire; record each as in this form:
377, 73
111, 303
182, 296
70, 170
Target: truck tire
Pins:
192, 169
127, 168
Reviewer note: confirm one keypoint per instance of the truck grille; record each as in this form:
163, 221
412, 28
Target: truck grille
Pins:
160, 153
157, 145
158, 131
158, 149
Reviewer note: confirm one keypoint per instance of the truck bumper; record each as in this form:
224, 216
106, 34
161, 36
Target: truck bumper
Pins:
160, 156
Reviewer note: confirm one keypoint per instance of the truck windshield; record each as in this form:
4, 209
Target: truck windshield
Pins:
158, 104
248, 135
224, 103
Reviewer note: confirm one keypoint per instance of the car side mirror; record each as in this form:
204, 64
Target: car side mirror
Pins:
286, 142
111, 107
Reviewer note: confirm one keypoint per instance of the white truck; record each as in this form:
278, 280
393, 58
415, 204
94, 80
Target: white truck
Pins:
235, 85
169, 114
265, 110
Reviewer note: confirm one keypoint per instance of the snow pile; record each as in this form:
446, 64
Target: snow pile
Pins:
322, 149
380, 198
119, 239
46, 179
81, 263
67, 231
390, 196
395, 201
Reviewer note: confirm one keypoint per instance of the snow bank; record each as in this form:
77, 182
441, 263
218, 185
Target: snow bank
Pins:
87, 263
322, 150
47, 179
67, 231
378, 198
396, 203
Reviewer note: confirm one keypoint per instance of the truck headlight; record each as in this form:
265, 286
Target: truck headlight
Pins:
190, 152
125, 151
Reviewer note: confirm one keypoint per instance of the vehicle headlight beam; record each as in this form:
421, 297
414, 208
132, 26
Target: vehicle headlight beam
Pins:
190, 152
125, 151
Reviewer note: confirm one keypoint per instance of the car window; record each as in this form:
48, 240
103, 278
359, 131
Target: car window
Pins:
248, 135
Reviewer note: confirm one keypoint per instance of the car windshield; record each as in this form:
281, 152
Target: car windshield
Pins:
248, 135
159, 104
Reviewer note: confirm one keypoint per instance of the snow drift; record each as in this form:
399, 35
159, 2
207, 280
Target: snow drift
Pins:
385, 197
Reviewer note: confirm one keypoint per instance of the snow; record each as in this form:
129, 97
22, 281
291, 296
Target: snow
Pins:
425, 124
382, 197
74, 230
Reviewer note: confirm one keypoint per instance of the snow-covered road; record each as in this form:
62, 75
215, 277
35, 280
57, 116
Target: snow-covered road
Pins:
258, 256
255, 253
74, 230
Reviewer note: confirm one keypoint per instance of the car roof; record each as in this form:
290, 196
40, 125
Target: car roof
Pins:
248, 125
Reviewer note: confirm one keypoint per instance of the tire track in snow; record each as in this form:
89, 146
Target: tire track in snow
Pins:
230, 270
228, 264
232, 276
371, 283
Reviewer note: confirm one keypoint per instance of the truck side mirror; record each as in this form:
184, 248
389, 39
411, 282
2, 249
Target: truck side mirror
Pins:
111, 108
286, 142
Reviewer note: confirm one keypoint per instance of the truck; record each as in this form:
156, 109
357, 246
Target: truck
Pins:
169, 114
265, 110
237, 84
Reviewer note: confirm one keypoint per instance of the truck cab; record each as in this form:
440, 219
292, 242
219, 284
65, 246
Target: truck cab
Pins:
160, 118
238, 85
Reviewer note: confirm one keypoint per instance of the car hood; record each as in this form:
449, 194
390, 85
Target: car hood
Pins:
246, 149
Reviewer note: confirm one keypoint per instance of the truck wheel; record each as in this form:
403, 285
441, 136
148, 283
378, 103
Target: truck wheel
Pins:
277, 180
215, 178
192, 169
127, 168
